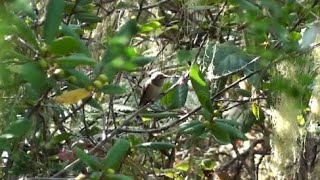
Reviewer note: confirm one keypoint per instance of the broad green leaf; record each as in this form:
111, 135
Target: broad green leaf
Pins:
76, 60
168, 99
64, 45
177, 97
17, 129
226, 58
53, 19
187, 125
113, 89
200, 87
150, 26
129, 29
88, 17
195, 130
69, 31
116, 155
81, 78
87, 159
122, 64
32, 73
120, 41
156, 145
142, 60
233, 132
220, 134
208, 164
94, 103
182, 166
247, 5
59, 138
14, 55
185, 55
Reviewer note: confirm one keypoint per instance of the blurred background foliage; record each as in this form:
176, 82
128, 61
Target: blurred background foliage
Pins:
243, 89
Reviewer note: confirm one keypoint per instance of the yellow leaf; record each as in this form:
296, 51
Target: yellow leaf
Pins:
71, 97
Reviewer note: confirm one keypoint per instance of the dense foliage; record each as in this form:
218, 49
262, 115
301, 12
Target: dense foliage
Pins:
72, 71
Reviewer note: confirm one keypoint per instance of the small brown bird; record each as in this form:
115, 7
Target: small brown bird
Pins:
152, 88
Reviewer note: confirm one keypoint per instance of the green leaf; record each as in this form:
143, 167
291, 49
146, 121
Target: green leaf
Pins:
195, 130
82, 79
120, 41
16, 129
185, 55
156, 145
177, 97
226, 58
87, 17
94, 103
116, 155
220, 135
76, 60
53, 19
59, 138
200, 87
129, 29
255, 110
64, 45
142, 60
113, 89
32, 73
69, 31
225, 133
182, 166
89, 160
150, 26
187, 125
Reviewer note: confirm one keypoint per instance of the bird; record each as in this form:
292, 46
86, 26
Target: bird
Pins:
152, 88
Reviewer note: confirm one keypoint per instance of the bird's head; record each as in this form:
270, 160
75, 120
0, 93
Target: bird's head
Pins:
157, 78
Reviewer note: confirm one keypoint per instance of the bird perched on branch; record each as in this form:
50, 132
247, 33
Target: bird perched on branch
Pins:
152, 88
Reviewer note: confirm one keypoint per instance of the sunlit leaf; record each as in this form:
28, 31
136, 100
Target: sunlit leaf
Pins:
71, 97
255, 110
150, 26
182, 166
200, 87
